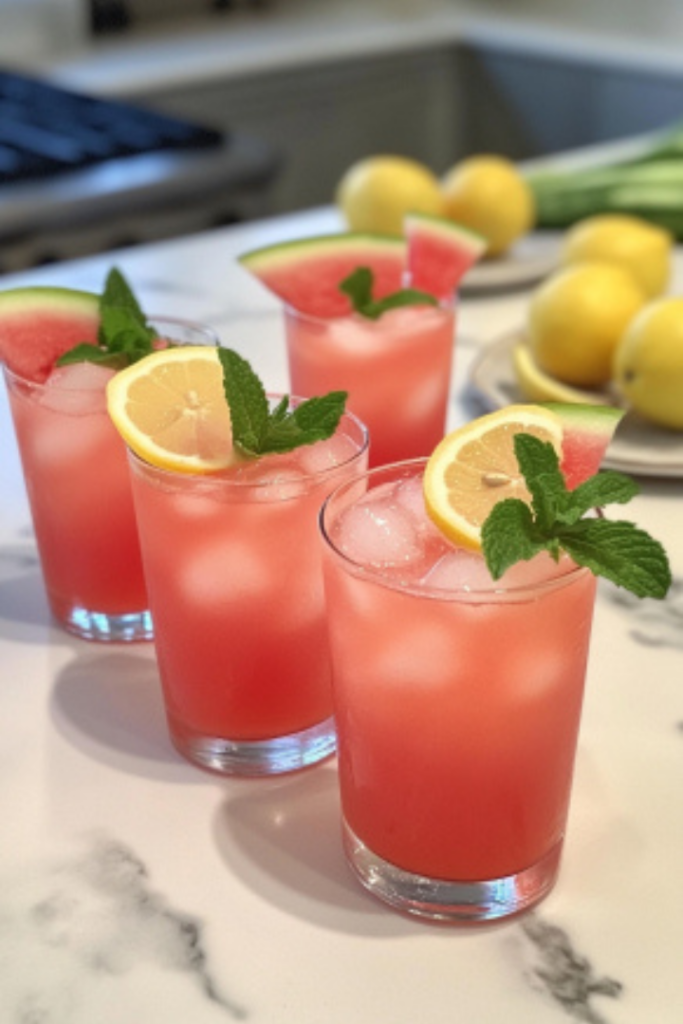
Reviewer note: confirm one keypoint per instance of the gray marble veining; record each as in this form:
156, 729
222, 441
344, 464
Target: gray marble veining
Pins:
65, 924
566, 975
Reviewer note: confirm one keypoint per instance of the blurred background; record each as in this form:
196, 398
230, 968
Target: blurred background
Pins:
265, 103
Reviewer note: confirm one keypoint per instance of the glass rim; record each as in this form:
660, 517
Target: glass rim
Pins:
220, 479
392, 580
176, 321
448, 305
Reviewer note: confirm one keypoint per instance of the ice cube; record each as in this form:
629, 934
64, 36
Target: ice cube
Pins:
423, 655
409, 496
324, 455
77, 389
273, 478
424, 396
538, 675
537, 570
379, 534
459, 570
227, 571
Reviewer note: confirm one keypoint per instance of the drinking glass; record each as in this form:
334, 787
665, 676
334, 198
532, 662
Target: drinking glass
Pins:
235, 586
457, 702
396, 369
78, 486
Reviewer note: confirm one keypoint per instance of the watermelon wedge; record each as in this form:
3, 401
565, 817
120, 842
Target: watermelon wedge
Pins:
587, 432
440, 252
306, 274
37, 325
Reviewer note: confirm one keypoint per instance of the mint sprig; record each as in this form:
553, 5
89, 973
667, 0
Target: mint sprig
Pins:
359, 287
259, 430
123, 337
617, 550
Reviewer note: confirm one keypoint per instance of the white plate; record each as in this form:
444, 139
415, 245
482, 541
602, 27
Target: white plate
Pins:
638, 447
530, 260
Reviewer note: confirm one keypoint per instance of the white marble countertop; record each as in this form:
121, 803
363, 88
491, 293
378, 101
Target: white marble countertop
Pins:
134, 887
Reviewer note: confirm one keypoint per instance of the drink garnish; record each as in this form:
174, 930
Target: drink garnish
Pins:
202, 409
358, 285
554, 521
124, 335
259, 430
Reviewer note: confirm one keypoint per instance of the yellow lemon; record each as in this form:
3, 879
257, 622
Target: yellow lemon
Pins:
576, 318
490, 196
170, 409
475, 466
648, 363
376, 193
642, 248
537, 386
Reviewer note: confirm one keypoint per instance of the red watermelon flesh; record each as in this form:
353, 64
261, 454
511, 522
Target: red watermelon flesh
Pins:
37, 325
440, 252
587, 432
306, 274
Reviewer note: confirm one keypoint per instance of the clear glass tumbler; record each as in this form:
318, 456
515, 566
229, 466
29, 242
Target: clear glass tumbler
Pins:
78, 486
232, 562
396, 369
457, 702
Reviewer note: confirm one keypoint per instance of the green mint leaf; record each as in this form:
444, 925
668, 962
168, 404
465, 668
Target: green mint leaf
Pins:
617, 550
118, 294
540, 467
605, 488
358, 285
313, 420
246, 396
509, 535
88, 353
258, 430
123, 336
620, 552
404, 297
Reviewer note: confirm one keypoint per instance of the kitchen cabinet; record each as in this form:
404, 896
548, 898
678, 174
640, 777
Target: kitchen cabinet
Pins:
324, 117
526, 104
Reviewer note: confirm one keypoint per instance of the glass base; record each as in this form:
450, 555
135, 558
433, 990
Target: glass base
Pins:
257, 757
453, 901
107, 628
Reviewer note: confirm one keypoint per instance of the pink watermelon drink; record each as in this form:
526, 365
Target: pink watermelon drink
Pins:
458, 676
238, 609
397, 371
456, 727
77, 483
394, 358
74, 463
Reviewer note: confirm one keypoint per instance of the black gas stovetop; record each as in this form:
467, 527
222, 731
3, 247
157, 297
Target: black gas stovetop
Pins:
46, 130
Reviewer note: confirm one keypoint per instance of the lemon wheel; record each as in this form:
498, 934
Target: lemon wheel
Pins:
475, 467
170, 409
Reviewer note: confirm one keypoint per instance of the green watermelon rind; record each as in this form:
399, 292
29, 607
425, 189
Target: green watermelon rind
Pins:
588, 431
31, 299
596, 420
22, 309
300, 272
292, 253
440, 252
449, 231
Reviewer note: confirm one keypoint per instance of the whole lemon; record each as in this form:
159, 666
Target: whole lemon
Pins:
576, 318
642, 248
376, 193
648, 363
490, 196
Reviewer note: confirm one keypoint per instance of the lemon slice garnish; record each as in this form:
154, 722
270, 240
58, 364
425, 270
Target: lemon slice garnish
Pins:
475, 466
170, 409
